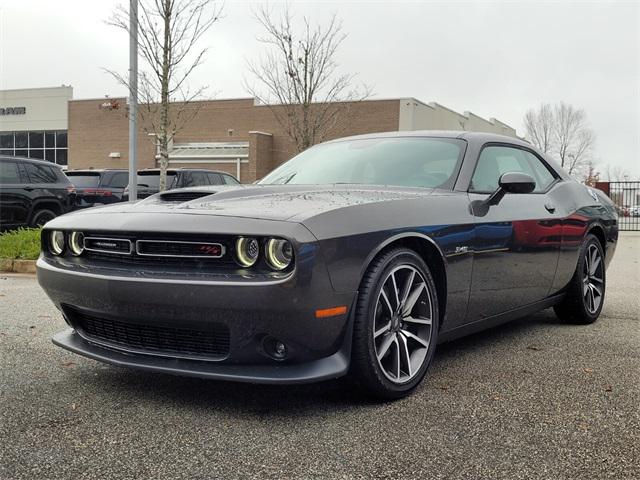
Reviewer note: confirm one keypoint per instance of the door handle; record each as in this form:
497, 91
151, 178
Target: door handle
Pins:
29, 189
550, 207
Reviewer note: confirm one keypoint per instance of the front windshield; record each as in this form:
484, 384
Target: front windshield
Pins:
396, 161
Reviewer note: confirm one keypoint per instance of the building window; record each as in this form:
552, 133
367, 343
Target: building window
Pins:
42, 145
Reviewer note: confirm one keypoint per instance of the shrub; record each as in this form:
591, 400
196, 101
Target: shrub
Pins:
23, 243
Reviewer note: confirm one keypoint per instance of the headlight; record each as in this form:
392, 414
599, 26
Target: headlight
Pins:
76, 243
279, 253
247, 251
56, 242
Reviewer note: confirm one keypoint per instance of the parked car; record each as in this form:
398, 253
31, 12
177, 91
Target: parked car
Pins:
98, 187
32, 192
357, 257
149, 179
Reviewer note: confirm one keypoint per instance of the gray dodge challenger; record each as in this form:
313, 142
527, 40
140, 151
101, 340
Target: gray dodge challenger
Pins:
356, 257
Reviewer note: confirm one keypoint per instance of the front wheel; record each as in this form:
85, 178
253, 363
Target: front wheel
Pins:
396, 325
584, 298
40, 217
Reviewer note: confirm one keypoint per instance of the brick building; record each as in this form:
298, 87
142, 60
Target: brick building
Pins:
237, 135
240, 137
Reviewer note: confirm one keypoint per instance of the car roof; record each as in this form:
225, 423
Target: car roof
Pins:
30, 160
95, 170
185, 169
461, 134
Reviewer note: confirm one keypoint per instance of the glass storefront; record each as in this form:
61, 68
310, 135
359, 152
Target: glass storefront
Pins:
50, 145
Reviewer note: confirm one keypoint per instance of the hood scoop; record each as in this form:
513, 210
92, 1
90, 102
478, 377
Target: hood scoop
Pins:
181, 197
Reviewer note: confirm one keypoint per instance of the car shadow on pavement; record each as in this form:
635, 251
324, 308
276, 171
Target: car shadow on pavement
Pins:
243, 399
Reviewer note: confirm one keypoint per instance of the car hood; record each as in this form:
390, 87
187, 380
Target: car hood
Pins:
294, 203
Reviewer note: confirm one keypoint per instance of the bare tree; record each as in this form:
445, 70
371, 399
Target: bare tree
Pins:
615, 173
168, 31
298, 77
592, 175
573, 137
540, 125
563, 132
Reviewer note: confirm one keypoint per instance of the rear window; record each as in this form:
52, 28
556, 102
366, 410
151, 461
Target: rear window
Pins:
229, 180
40, 173
9, 172
83, 180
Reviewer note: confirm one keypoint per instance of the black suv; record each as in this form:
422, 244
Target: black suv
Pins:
32, 192
149, 179
98, 187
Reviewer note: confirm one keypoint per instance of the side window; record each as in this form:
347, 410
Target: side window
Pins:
214, 179
497, 160
9, 173
229, 180
195, 179
40, 173
542, 174
119, 180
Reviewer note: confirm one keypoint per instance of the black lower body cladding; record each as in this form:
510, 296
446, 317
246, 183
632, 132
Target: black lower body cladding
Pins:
215, 329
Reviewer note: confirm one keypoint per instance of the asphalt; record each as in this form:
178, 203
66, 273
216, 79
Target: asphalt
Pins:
532, 399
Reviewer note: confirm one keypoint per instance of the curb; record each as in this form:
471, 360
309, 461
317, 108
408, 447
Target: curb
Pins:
17, 266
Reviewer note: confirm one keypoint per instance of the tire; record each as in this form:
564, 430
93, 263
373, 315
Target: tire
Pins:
585, 293
40, 217
394, 340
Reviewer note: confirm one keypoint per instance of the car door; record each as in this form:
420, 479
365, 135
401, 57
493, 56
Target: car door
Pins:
517, 241
14, 195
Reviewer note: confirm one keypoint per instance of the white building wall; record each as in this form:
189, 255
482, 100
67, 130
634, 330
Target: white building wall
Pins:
415, 115
44, 109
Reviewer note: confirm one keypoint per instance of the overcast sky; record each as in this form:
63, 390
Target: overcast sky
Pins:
496, 59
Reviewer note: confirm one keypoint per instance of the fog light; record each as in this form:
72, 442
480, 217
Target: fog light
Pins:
56, 242
274, 348
280, 350
76, 243
279, 253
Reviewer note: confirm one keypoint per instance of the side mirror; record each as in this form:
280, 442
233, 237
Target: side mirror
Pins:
511, 182
516, 182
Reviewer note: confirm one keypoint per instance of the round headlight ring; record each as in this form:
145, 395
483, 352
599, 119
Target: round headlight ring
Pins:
247, 251
279, 253
76, 243
56, 242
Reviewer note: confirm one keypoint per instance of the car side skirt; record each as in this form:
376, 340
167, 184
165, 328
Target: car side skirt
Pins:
494, 321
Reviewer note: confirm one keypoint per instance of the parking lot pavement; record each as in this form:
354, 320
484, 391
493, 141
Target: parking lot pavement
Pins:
532, 399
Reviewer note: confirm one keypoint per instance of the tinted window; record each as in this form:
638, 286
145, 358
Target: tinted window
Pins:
84, 180
229, 180
40, 173
496, 160
195, 179
406, 161
214, 179
9, 172
119, 180
152, 179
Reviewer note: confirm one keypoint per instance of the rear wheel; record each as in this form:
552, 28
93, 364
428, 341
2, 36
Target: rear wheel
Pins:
585, 294
396, 325
40, 217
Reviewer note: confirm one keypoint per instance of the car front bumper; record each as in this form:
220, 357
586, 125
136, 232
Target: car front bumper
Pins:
317, 348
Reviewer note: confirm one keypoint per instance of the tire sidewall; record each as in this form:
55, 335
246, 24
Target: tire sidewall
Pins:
398, 258
591, 240
40, 213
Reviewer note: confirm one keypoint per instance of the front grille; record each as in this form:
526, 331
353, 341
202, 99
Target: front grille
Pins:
210, 341
172, 248
117, 246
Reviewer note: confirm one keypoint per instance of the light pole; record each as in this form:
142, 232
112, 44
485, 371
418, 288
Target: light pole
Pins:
133, 100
